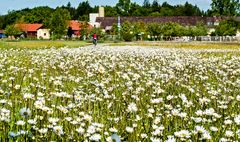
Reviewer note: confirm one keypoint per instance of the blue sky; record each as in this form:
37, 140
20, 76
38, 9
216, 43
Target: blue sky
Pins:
6, 5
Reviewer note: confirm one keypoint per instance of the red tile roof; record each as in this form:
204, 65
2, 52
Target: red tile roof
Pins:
75, 25
28, 27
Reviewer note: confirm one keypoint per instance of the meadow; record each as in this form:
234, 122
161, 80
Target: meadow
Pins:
112, 93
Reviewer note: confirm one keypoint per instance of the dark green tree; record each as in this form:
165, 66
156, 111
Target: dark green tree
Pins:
127, 31
123, 7
59, 22
82, 11
225, 7
227, 27
11, 31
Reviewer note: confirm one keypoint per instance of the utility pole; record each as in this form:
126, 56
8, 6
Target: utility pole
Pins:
119, 27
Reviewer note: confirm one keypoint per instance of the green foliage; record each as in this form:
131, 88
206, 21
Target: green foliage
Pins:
59, 23
127, 31
82, 11
123, 7
155, 29
11, 31
225, 7
84, 30
99, 32
139, 30
227, 27
114, 30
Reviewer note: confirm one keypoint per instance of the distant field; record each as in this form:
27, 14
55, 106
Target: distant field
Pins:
41, 44
199, 45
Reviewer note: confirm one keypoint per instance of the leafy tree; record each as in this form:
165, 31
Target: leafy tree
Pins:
127, 31
155, 30
139, 30
155, 6
228, 27
114, 29
225, 7
59, 23
123, 7
83, 10
11, 31
110, 11
146, 4
172, 29
85, 31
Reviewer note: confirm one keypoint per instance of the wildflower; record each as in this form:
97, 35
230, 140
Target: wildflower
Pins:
20, 123
129, 129
32, 122
58, 130
80, 130
25, 112
28, 96
229, 133
113, 130
43, 130
95, 137
132, 107
237, 120
171, 139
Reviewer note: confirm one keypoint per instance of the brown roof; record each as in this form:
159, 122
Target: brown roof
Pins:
184, 20
1, 31
29, 27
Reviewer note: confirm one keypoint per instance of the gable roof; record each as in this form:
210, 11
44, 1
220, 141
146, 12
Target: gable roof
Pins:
183, 20
75, 25
29, 27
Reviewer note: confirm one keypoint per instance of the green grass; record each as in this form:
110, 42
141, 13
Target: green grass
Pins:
171, 44
41, 44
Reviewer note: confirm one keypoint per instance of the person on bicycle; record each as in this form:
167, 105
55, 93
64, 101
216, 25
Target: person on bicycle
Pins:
95, 38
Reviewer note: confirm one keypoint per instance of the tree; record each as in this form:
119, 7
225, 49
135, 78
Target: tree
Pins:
123, 7
83, 10
139, 30
225, 7
127, 31
84, 30
155, 6
59, 22
11, 31
227, 27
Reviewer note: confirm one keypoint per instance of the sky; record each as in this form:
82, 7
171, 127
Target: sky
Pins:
6, 5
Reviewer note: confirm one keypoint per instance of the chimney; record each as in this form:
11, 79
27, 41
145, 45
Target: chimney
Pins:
101, 11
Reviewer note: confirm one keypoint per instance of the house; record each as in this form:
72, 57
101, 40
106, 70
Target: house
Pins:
75, 28
2, 35
31, 30
93, 17
43, 33
183, 20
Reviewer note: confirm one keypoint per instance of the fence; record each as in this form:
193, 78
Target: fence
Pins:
208, 38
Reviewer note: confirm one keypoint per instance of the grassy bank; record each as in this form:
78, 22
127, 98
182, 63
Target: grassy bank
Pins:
41, 44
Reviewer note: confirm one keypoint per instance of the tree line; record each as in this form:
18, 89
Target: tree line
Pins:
43, 14
165, 31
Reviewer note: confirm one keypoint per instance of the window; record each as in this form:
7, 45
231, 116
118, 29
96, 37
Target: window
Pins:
45, 34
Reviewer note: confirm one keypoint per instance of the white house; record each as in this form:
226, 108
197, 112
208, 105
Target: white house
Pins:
93, 17
43, 33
